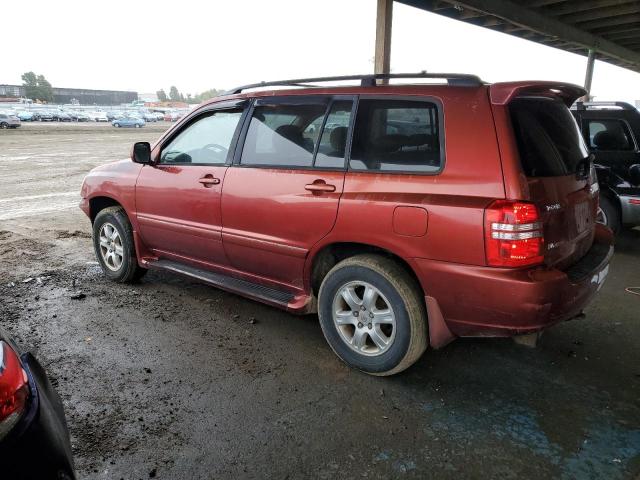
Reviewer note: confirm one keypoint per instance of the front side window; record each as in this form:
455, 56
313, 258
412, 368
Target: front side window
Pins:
283, 134
205, 141
396, 136
609, 134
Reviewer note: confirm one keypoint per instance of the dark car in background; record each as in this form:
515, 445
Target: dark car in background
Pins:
34, 440
82, 117
63, 116
46, 116
611, 130
113, 114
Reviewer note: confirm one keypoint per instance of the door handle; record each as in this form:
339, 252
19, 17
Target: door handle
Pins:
209, 180
319, 186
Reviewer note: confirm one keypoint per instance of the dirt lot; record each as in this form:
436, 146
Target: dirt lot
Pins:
171, 379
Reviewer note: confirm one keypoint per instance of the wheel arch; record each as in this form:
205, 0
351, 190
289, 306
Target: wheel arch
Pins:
100, 202
326, 257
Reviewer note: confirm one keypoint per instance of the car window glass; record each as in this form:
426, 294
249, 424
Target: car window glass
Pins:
609, 134
282, 134
205, 141
548, 138
396, 135
334, 136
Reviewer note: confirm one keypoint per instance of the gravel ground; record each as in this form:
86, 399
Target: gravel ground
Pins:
172, 379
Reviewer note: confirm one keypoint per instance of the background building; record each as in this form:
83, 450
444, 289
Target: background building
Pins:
76, 95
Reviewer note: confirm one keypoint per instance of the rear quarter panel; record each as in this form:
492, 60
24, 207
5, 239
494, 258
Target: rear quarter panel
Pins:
454, 199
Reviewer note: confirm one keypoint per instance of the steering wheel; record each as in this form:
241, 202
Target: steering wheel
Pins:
218, 150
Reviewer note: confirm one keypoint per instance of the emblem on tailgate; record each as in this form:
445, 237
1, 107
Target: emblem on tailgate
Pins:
555, 206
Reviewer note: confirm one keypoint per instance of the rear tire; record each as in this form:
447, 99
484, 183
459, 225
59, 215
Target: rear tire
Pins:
114, 246
609, 214
4, 125
372, 314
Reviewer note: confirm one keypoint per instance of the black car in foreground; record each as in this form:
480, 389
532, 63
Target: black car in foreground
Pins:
611, 130
34, 440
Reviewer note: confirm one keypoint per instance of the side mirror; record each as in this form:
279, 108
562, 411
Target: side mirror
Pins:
141, 153
634, 174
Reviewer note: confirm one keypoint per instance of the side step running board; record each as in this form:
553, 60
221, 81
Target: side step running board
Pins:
225, 282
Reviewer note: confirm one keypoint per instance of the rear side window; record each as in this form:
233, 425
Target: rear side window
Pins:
396, 136
548, 138
334, 136
283, 134
609, 134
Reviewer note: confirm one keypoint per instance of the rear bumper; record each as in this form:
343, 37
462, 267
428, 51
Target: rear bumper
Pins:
38, 447
630, 208
485, 301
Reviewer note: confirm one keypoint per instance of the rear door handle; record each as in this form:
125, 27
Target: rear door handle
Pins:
320, 187
209, 180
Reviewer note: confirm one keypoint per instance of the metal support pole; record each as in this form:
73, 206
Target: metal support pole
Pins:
591, 59
383, 37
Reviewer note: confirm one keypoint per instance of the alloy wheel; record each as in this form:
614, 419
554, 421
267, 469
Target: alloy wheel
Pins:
111, 248
364, 318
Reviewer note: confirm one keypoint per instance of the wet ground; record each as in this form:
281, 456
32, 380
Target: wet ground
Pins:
172, 379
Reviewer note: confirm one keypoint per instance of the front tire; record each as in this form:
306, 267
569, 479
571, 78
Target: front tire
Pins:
372, 314
114, 246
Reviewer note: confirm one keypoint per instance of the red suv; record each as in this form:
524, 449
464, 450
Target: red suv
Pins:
405, 215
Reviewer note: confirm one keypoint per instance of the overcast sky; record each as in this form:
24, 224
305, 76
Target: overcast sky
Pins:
146, 45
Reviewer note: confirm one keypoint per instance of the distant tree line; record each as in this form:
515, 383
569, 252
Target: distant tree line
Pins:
37, 87
176, 96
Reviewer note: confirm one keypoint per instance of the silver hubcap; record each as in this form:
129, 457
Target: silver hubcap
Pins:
364, 318
111, 248
602, 217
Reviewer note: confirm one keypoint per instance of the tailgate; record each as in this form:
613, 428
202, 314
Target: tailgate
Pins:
559, 174
568, 210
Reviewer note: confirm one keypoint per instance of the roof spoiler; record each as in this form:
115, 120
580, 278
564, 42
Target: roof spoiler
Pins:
503, 93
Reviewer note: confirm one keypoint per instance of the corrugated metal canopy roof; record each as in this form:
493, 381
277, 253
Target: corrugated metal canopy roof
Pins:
610, 27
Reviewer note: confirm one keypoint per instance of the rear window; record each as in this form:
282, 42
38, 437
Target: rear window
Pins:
396, 136
548, 138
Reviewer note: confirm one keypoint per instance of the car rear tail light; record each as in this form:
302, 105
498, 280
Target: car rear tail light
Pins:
513, 234
14, 389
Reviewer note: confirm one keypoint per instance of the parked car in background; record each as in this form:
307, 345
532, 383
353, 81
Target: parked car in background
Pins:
63, 116
611, 130
25, 116
9, 120
113, 114
82, 117
128, 121
398, 241
171, 116
149, 117
34, 440
159, 116
98, 116
45, 116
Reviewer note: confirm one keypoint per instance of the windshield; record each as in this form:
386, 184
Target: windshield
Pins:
549, 140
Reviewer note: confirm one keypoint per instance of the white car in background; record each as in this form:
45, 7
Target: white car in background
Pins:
98, 116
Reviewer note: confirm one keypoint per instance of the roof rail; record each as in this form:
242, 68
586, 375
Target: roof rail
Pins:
586, 105
457, 79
